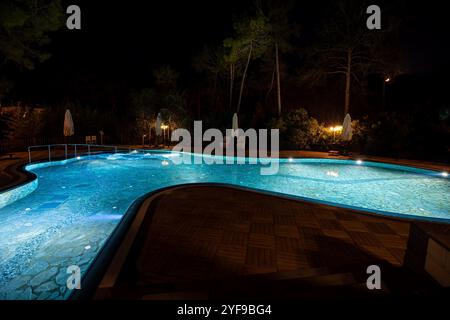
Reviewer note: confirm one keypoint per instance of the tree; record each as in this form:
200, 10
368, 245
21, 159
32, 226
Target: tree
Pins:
166, 77
346, 47
297, 129
281, 33
24, 29
250, 42
143, 104
165, 98
25, 26
5, 123
168, 95
211, 64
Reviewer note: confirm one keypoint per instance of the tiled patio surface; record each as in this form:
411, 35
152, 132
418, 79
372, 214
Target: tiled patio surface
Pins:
204, 241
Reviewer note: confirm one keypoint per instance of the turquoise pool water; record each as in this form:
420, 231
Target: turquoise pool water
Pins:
66, 216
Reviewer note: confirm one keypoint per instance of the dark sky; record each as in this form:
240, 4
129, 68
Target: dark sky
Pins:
122, 42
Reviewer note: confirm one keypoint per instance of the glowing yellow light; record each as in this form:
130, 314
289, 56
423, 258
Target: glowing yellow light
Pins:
335, 129
164, 126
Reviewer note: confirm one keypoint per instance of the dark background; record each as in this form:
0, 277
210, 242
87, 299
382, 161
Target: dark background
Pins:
120, 43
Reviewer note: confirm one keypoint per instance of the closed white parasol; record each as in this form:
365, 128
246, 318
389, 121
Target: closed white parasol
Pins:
69, 129
347, 131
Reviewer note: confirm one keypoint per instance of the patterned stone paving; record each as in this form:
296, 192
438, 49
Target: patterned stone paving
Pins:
46, 278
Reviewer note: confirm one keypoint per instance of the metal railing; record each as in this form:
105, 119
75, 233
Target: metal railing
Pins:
74, 145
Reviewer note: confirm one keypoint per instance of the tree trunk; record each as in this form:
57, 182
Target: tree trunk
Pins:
278, 79
214, 94
348, 78
243, 77
231, 85
272, 80
149, 132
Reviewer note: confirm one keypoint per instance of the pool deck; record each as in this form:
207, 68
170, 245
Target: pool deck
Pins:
206, 242
211, 242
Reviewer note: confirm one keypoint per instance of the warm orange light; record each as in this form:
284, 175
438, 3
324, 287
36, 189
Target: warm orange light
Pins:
335, 129
387, 79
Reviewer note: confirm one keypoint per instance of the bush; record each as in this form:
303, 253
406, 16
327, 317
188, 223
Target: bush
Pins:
298, 130
408, 135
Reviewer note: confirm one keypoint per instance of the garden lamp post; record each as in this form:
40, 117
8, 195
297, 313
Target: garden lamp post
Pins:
334, 130
164, 128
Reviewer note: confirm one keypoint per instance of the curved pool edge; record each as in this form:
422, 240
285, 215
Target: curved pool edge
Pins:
24, 188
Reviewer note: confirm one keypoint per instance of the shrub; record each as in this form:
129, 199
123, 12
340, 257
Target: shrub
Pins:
298, 130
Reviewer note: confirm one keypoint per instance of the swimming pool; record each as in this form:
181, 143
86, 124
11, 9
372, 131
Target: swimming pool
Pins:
65, 216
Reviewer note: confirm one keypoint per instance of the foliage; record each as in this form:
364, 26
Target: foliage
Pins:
250, 33
5, 124
164, 98
166, 77
298, 130
413, 134
252, 39
24, 30
346, 48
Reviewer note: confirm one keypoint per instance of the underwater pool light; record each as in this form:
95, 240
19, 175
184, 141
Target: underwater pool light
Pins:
359, 161
333, 174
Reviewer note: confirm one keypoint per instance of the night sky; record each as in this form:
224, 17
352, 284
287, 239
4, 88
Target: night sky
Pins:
122, 42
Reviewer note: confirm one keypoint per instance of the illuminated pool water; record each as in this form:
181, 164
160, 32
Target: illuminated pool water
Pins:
66, 216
